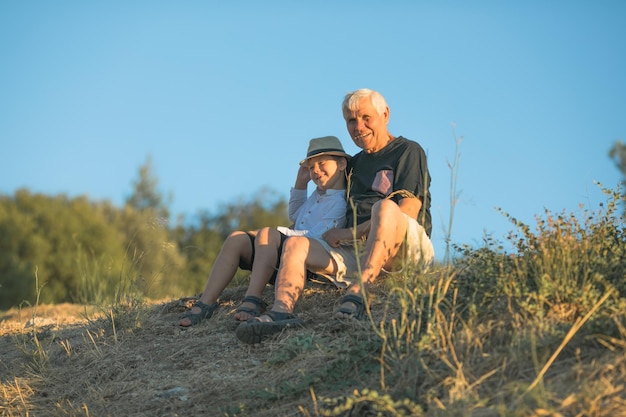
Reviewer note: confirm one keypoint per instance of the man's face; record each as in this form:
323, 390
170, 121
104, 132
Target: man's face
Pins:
366, 127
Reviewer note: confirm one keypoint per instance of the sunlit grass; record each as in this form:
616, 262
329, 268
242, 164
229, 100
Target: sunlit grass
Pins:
494, 333
539, 331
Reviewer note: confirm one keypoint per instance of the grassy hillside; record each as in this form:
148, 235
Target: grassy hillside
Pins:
538, 332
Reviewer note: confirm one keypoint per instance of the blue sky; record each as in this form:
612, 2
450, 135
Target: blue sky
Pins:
224, 97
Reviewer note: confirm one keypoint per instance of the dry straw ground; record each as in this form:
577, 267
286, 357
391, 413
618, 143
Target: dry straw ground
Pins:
75, 362
70, 361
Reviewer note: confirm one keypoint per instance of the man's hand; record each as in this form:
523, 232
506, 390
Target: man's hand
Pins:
335, 236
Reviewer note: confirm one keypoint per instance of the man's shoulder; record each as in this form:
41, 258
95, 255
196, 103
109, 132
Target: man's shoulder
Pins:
402, 141
405, 145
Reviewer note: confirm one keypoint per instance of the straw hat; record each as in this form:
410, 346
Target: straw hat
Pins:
328, 145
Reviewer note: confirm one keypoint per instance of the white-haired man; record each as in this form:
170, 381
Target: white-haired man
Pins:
388, 219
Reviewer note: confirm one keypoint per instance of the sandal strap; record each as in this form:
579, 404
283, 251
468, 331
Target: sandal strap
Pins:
254, 330
207, 310
359, 312
255, 300
259, 306
353, 299
280, 316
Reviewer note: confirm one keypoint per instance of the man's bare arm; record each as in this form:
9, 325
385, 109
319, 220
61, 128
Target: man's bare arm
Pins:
410, 206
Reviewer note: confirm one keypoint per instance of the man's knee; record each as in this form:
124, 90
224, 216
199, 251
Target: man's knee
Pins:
385, 209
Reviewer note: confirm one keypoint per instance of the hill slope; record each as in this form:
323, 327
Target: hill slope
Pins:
74, 362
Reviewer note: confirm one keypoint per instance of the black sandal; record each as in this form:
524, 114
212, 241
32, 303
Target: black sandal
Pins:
259, 306
359, 312
254, 330
206, 311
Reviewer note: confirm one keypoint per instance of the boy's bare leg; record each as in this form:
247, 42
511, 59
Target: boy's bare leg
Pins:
236, 246
266, 245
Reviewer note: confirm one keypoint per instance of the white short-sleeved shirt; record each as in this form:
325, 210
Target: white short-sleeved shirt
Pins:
315, 215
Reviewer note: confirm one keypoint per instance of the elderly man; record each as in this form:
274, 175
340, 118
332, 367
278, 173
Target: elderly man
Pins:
388, 221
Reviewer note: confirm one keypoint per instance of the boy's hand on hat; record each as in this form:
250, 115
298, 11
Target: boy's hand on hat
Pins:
303, 177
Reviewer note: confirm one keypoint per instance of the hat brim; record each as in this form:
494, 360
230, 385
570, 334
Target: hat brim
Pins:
331, 153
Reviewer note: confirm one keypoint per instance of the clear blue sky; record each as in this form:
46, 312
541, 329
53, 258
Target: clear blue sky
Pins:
224, 96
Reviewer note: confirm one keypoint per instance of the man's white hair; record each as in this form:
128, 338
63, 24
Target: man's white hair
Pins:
351, 100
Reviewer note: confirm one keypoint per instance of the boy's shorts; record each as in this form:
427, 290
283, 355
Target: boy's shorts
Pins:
248, 266
417, 250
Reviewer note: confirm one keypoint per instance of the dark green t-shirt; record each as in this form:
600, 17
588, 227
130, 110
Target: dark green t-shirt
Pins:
401, 165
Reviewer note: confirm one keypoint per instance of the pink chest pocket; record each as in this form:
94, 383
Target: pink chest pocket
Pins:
383, 183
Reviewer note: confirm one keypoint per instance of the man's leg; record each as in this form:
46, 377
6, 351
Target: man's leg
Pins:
387, 232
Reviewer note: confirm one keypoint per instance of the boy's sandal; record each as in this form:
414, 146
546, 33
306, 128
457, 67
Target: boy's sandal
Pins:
358, 312
259, 306
254, 330
206, 311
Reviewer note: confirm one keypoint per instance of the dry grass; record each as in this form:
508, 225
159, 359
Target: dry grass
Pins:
77, 363
157, 368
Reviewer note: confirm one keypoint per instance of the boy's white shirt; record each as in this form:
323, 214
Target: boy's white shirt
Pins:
315, 215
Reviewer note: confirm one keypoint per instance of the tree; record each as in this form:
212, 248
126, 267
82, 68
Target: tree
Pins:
145, 194
618, 155
144, 221
265, 208
58, 239
83, 252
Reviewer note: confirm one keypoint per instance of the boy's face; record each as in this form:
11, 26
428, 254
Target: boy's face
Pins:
327, 171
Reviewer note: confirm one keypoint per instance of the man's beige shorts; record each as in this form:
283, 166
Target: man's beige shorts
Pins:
417, 250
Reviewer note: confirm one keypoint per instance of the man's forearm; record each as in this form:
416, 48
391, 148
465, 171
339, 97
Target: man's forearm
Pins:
363, 229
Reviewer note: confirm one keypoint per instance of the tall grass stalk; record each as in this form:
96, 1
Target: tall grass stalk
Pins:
454, 195
427, 307
38, 352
